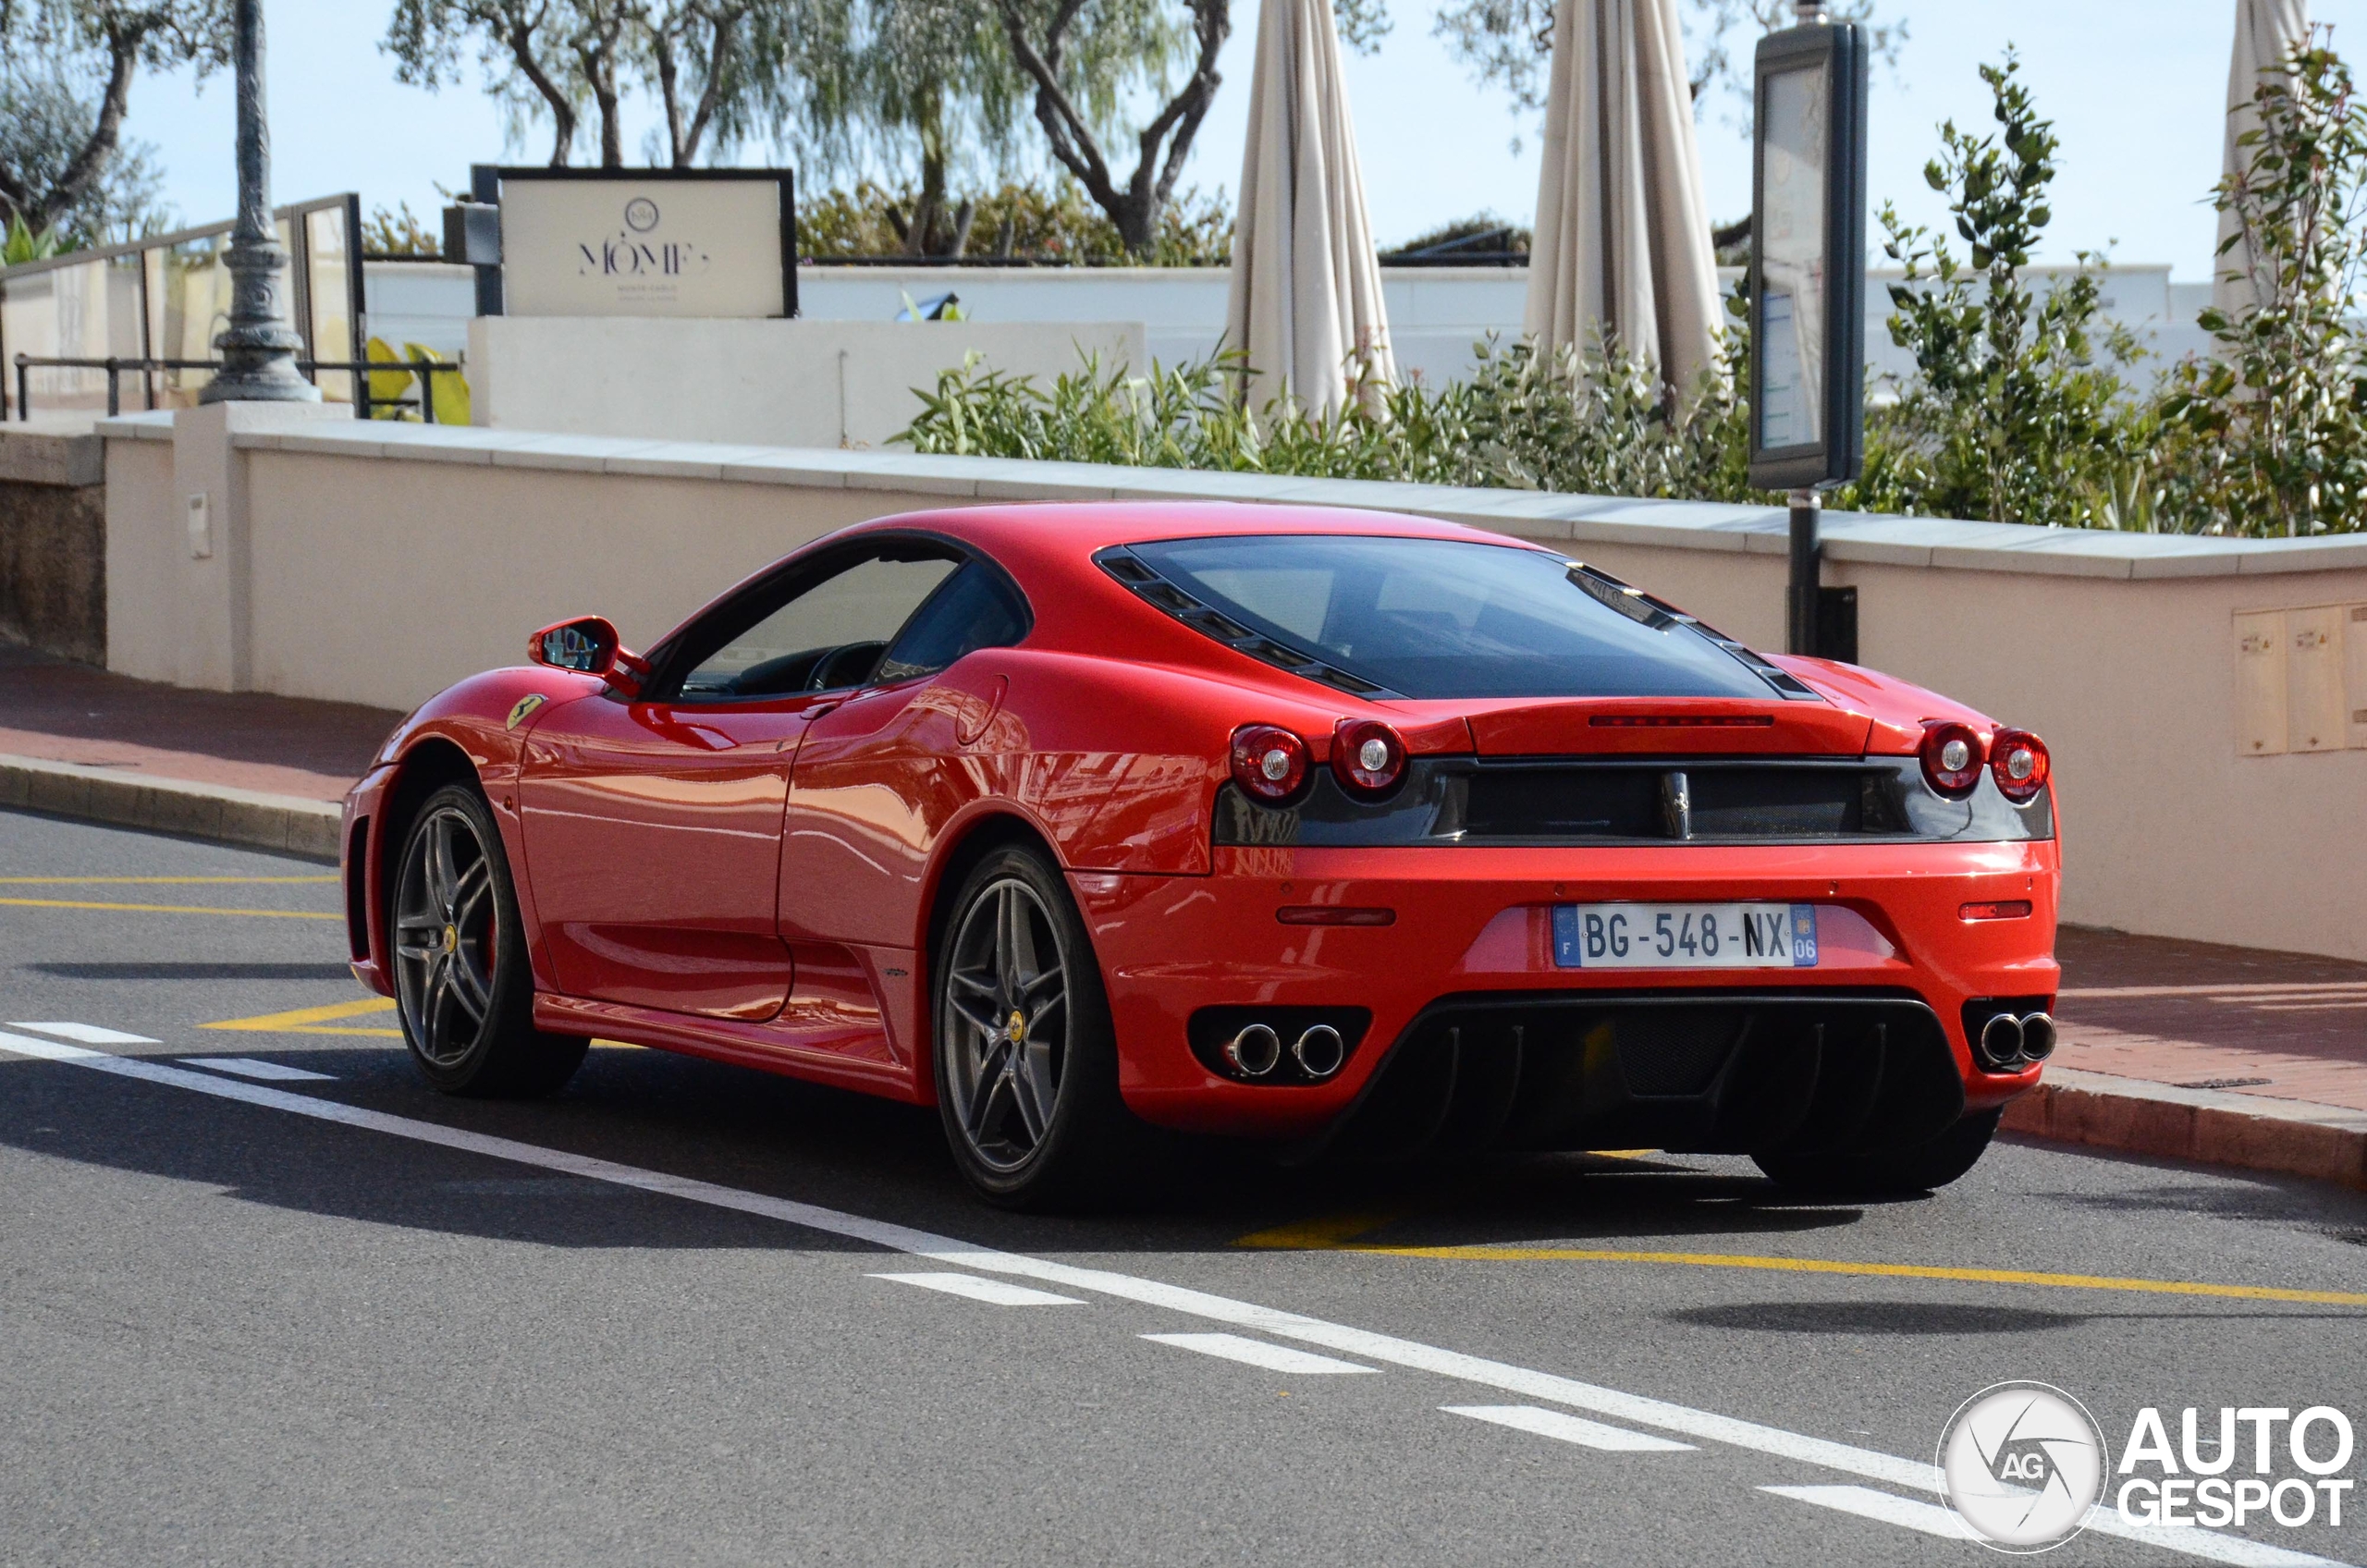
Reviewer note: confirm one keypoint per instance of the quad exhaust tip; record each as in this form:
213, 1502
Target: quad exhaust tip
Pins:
2001, 1041
1256, 1051
2008, 1043
1319, 1051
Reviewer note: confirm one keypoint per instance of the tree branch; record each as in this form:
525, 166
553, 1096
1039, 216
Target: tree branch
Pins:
81, 173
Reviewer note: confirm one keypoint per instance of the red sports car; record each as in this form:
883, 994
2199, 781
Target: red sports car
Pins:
1315, 827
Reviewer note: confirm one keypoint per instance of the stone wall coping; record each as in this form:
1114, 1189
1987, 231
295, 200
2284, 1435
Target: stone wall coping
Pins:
64, 457
1576, 520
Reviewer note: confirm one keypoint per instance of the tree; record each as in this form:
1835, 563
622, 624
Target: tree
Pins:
2272, 429
520, 50
1509, 43
716, 67
1071, 67
2016, 412
709, 59
65, 74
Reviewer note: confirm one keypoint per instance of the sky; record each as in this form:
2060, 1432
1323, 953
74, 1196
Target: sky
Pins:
2135, 88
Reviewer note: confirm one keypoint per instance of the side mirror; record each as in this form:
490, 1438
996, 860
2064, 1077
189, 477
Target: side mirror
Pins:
588, 645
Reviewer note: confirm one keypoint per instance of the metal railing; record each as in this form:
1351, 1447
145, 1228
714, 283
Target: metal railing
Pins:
114, 366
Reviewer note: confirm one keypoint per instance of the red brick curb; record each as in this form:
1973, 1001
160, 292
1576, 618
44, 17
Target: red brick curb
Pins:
219, 812
2207, 1126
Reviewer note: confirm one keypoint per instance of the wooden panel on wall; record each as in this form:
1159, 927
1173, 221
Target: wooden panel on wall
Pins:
2315, 719
2260, 684
2355, 672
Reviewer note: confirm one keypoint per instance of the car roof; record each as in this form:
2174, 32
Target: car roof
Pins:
1077, 529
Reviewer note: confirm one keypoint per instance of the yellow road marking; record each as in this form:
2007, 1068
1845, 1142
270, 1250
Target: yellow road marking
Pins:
1879, 1270
155, 881
314, 1020
1326, 1234
168, 909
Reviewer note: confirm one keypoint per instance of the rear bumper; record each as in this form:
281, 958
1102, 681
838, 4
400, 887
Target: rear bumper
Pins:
1694, 1059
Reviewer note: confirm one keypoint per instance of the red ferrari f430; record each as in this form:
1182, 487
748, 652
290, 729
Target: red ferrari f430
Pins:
1322, 828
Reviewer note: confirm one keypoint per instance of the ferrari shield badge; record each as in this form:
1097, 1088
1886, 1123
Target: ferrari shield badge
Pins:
526, 704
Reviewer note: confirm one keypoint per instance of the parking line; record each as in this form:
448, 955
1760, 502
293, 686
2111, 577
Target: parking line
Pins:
167, 909
1876, 1270
1550, 1388
159, 881
88, 1034
269, 1072
1887, 1507
315, 1020
978, 1287
1568, 1428
1325, 1235
1258, 1352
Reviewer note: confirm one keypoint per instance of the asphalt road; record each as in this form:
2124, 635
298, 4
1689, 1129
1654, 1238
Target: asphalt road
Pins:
333, 1318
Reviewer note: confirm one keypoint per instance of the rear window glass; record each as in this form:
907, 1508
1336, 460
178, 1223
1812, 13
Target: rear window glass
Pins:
1443, 619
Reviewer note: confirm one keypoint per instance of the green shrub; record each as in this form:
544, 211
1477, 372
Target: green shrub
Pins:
2270, 434
1053, 222
1594, 421
2017, 409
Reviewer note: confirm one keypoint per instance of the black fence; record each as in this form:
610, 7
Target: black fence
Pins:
363, 401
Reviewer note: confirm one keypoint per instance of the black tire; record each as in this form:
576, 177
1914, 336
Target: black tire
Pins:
1026, 1060
462, 986
1918, 1169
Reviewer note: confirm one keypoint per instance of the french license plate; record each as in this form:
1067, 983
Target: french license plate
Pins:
1684, 936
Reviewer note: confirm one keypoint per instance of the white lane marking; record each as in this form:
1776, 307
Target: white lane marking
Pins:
1867, 1463
978, 1287
88, 1034
1258, 1352
1569, 1428
1887, 1507
248, 1067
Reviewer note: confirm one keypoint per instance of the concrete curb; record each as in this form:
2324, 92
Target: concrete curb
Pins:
220, 812
2207, 1126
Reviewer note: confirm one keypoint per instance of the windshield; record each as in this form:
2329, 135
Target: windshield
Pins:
1443, 619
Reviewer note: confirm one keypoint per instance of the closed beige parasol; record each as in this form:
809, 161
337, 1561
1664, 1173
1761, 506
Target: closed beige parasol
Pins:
1622, 230
1306, 301
2266, 31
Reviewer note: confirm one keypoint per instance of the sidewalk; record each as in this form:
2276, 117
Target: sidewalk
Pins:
243, 767
2181, 1051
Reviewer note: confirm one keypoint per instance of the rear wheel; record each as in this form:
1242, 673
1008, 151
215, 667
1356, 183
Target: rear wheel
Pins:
1026, 1060
461, 981
1917, 1170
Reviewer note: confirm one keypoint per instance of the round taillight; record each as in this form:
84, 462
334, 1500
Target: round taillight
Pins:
1269, 762
1368, 757
1952, 757
2018, 759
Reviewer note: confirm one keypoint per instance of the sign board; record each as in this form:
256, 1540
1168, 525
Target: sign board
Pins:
1807, 329
655, 242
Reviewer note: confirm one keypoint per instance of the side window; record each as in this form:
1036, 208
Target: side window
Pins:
827, 637
976, 609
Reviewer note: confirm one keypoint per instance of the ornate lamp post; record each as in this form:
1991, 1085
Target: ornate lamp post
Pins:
258, 347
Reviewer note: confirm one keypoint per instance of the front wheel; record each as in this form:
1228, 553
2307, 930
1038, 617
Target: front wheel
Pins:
463, 985
1917, 1170
1026, 1060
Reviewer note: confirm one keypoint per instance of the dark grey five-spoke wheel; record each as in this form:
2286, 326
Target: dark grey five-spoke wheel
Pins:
1026, 1063
461, 979
445, 938
1008, 993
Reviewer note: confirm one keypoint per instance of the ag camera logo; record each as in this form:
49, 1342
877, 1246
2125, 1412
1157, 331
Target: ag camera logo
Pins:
2021, 1463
